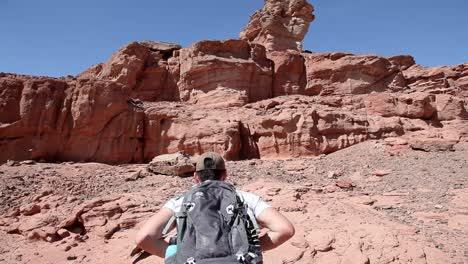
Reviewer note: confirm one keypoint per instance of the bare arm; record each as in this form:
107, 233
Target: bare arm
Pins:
279, 228
149, 238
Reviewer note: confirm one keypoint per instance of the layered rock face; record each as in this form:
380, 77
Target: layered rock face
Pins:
256, 97
212, 71
68, 120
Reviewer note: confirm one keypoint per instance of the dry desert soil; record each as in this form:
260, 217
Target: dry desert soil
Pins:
369, 203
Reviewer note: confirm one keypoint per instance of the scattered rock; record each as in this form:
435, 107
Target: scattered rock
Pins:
30, 209
14, 212
12, 163
13, 229
71, 199
343, 184
111, 230
44, 193
37, 234
27, 162
395, 141
172, 164
330, 189
300, 242
134, 176
335, 174
381, 173
321, 240
63, 233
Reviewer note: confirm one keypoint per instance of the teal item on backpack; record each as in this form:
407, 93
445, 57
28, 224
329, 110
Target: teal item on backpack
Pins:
171, 250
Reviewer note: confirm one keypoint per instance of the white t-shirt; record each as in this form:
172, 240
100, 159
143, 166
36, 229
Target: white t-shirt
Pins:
254, 203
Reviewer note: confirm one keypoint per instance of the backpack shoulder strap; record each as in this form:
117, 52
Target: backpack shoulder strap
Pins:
168, 226
174, 217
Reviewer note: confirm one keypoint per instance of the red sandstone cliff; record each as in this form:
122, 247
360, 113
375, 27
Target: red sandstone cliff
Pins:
258, 96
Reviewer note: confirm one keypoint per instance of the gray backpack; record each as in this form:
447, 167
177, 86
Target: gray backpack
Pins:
214, 226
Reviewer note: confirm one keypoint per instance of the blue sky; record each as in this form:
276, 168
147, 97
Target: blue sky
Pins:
60, 37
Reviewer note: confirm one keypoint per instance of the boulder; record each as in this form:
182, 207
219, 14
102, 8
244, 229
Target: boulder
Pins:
172, 164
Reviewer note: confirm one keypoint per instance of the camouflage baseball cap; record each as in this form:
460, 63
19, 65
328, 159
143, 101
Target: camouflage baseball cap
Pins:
210, 161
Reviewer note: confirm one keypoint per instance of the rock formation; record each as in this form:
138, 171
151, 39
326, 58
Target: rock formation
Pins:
280, 25
259, 96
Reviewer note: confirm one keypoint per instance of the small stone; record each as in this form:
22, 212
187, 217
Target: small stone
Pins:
71, 199
133, 176
63, 233
12, 163
14, 212
30, 209
27, 162
71, 257
78, 238
438, 206
37, 234
368, 201
111, 230
395, 141
66, 248
381, 173
300, 243
335, 174
343, 184
273, 191
13, 229
329, 189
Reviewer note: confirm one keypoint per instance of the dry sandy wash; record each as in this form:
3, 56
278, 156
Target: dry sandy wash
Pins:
371, 203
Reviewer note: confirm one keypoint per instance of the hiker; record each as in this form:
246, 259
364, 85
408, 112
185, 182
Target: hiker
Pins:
210, 172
